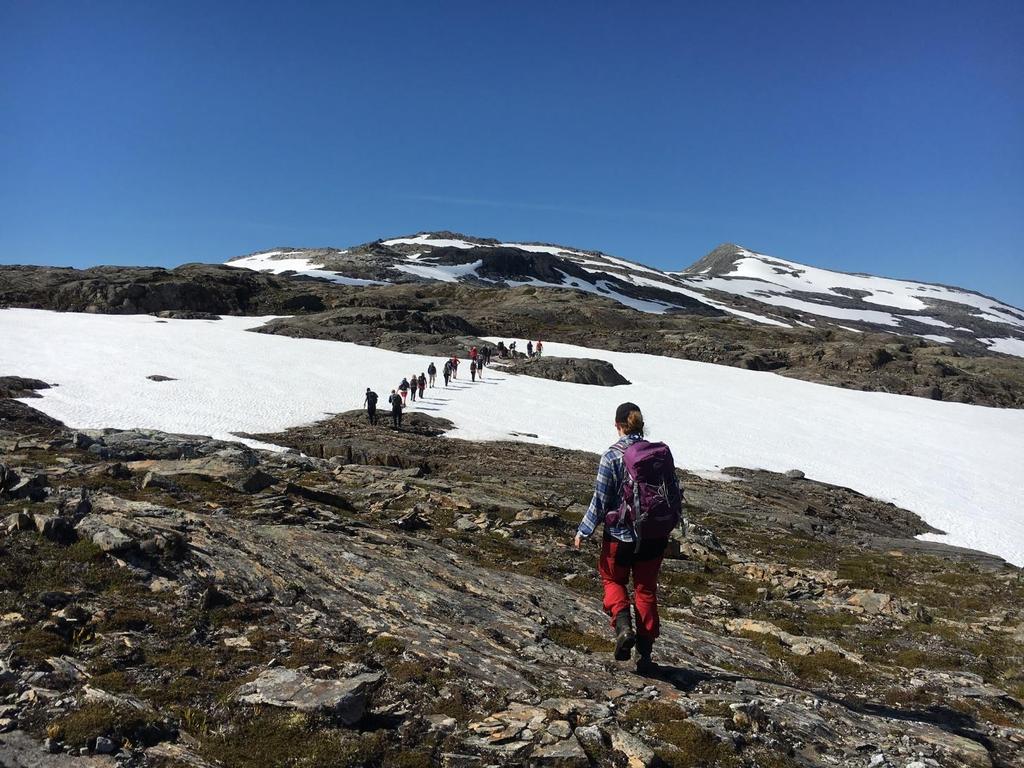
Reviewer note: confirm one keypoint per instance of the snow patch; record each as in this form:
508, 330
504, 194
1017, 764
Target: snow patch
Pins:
1006, 346
956, 465
263, 262
431, 241
445, 273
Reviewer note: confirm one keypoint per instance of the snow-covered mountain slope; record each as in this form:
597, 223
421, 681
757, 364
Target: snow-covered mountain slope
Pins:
957, 466
730, 280
864, 299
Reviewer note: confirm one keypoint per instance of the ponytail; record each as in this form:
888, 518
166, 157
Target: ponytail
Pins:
634, 423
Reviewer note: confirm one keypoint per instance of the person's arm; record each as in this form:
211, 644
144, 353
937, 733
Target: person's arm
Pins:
604, 498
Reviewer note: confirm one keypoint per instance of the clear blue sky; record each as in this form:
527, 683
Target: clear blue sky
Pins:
881, 137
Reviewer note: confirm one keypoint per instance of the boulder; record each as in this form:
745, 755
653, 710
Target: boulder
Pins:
255, 481
19, 521
566, 753
112, 540
570, 369
342, 700
155, 480
536, 517
54, 528
319, 495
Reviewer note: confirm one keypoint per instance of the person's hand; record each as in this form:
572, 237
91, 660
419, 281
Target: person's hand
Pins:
577, 541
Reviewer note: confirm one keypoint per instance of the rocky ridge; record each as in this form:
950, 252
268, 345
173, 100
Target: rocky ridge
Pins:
435, 317
389, 598
729, 280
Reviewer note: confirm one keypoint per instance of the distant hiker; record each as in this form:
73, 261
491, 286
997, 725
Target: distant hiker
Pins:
472, 370
370, 401
455, 367
397, 402
431, 374
529, 349
539, 348
413, 386
473, 353
638, 499
423, 384
512, 349
404, 389
447, 371
502, 350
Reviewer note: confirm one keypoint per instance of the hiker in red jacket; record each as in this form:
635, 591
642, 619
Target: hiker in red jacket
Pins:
635, 534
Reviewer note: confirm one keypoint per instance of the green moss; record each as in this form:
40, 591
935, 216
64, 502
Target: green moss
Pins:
712, 708
419, 671
569, 637
132, 618
118, 723
656, 711
386, 645
817, 666
273, 739
113, 682
37, 644
914, 658
691, 746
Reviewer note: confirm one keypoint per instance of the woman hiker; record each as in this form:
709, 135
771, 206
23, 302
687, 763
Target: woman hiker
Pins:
422, 384
404, 389
431, 374
638, 500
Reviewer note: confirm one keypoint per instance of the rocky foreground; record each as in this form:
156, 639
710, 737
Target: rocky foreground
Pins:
385, 598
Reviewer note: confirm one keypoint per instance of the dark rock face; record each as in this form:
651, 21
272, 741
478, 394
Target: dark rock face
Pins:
19, 417
570, 369
18, 386
191, 291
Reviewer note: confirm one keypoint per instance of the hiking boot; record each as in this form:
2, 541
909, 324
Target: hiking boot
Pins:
624, 637
644, 647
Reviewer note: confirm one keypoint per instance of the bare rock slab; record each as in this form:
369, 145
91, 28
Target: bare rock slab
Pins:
344, 700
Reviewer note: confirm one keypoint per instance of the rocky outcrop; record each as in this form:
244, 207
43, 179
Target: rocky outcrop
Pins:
343, 700
219, 605
570, 369
18, 386
191, 291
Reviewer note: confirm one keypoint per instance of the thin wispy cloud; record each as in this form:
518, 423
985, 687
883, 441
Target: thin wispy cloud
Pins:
551, 207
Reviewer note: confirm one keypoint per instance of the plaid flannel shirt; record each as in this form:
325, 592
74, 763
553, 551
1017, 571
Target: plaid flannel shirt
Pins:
610, 473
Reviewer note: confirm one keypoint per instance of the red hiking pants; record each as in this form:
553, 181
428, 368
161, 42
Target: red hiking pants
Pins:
618, 561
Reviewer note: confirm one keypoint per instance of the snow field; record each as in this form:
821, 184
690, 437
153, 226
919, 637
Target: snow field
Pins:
769, 279
958, 466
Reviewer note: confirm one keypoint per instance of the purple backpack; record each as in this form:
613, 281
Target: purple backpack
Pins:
652, 503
